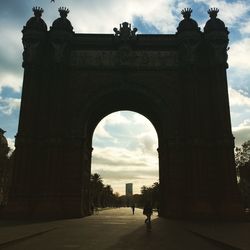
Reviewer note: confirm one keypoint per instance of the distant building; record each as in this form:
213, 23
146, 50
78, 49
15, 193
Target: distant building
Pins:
129, 189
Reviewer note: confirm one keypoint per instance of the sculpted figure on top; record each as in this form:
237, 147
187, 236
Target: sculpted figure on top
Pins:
125, 31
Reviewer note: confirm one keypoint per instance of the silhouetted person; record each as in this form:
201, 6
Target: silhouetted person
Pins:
133, 208
147, 210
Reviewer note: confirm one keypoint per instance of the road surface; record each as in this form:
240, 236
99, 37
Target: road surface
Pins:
119, 229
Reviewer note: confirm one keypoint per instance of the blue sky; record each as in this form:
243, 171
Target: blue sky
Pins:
113, 137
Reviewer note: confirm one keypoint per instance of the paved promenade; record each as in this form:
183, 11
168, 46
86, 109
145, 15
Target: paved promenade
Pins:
118, 229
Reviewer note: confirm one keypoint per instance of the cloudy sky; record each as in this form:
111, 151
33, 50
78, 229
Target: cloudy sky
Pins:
125, 143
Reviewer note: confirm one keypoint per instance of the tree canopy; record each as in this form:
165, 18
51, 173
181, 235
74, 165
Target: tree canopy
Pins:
242, 154
242, 160
102, 195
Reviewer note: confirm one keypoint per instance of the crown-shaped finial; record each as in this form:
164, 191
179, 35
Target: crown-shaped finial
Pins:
186, 12
213, 12
63, 12
37, 11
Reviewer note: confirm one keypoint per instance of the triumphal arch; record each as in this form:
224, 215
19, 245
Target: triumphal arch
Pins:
71, 81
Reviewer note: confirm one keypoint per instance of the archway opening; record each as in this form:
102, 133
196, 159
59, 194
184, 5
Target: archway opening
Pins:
125, 151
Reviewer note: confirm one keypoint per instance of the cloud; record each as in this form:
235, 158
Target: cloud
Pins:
239, 54
10, 57
143, 26
129, 153
238, 99
17, 9
11, 80
148, 142
120, 166
230, 12
128, 130
10, 46
101, 16
112, 130
242, 132
9, 104
245, 28
120, 157
240, 110
128, 174
11, 143
100, 131
116, 118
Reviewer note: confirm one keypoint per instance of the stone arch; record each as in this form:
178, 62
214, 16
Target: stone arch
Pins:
109, 101
158, 76
132, 99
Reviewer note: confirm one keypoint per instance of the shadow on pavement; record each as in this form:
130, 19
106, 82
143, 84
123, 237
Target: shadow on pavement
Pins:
138, 239
167, 234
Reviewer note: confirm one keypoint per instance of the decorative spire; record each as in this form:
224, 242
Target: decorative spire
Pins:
37, 11
186, 13
213, 12
63, 12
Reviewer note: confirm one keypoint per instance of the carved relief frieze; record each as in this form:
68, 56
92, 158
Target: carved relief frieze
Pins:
123, 58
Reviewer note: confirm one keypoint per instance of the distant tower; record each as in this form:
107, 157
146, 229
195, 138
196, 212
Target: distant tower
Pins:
129, 189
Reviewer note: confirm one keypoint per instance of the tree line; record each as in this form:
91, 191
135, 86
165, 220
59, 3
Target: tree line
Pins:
103, 196
242, 161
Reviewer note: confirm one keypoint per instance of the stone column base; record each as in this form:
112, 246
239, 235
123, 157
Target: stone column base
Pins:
202, 209
57, 208
223, 210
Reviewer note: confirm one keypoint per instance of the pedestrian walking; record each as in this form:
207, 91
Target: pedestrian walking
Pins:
148, 210
133, 208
